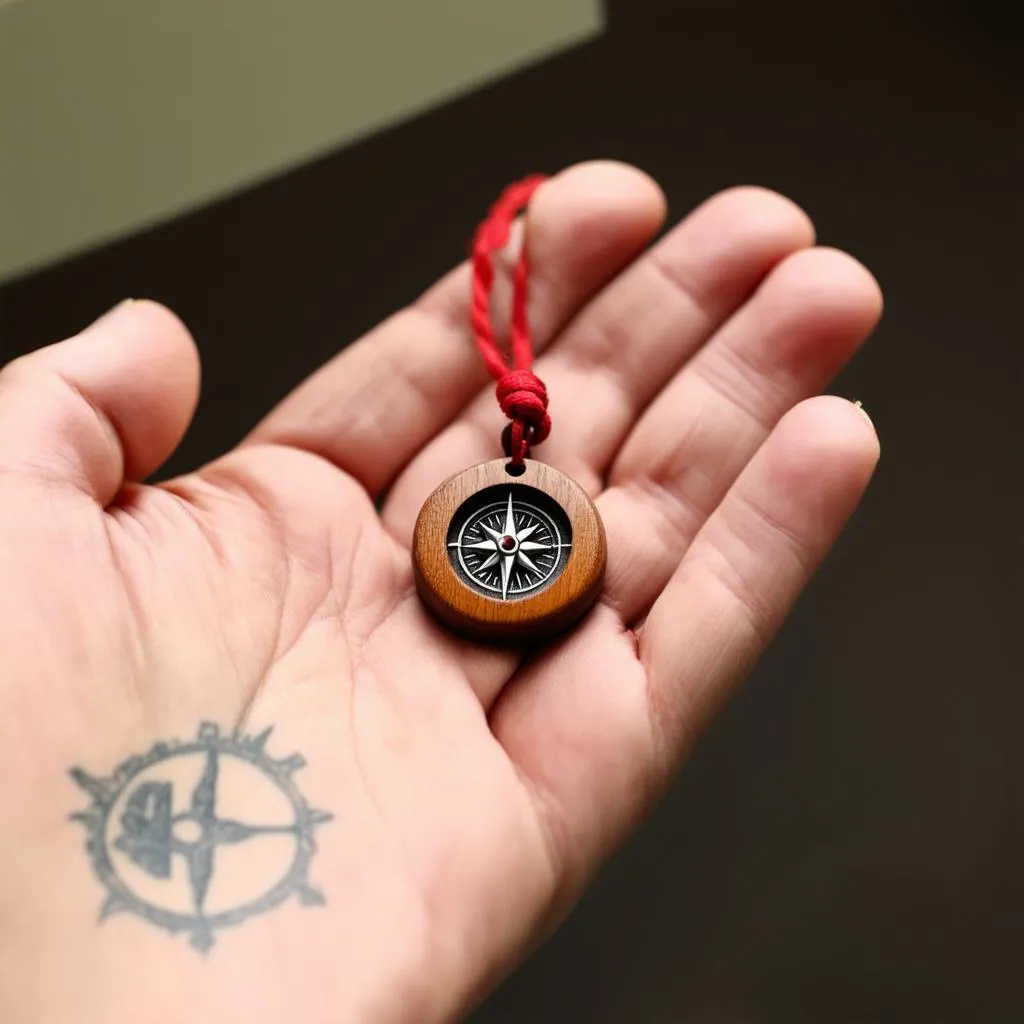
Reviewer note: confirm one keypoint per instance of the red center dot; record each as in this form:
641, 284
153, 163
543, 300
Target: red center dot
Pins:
508, 543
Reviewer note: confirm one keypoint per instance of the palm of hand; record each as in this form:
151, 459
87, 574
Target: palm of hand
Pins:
474, 790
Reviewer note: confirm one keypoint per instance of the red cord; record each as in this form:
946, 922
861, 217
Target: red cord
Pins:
521, 394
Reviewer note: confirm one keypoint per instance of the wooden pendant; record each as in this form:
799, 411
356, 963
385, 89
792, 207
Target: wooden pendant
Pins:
506, 557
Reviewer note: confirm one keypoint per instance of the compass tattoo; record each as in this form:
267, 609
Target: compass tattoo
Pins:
160, 825
509, 541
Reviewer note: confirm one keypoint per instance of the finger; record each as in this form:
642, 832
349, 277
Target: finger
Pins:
804, 323
599, 729
108, 405
627, 343
375, 405
752, 559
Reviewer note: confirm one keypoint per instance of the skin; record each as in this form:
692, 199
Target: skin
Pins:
475, 791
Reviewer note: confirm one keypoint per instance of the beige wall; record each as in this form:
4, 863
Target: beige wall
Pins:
116, 114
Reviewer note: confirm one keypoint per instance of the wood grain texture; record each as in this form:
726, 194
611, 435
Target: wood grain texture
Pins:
549, 611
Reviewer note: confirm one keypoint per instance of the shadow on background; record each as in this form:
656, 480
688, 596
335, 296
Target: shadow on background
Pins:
846, 846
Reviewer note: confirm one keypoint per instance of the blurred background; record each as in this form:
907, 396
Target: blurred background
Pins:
847, 845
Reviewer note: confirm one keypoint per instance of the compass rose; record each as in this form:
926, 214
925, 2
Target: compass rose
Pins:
158, 853
512, 546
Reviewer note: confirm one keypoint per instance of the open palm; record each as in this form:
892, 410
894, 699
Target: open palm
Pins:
473, 790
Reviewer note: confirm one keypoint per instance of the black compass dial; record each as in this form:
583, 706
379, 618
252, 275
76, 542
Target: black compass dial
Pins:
509, 541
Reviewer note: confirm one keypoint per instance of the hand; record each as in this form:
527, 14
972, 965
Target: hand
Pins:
472, 792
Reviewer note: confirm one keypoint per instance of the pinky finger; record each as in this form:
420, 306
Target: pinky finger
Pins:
753, 557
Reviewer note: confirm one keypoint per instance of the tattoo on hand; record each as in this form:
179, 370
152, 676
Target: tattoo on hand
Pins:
160, 825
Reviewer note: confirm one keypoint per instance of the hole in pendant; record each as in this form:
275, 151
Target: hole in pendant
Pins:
513, 470
506, 442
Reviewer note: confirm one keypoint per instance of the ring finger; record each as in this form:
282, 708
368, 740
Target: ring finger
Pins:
807, 319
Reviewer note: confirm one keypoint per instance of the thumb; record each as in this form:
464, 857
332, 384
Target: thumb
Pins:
106, 406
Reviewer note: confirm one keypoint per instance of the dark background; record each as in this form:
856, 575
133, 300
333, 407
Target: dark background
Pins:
847, 845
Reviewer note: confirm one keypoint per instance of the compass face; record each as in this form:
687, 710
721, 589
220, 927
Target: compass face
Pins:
509, 541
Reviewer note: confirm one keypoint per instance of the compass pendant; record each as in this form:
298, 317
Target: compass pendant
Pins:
504, 557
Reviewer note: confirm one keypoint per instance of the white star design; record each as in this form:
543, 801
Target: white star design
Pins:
518, 555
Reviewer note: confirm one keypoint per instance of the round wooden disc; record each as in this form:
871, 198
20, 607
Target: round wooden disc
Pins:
505, 558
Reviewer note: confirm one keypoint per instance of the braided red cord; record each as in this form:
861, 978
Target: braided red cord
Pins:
521, 394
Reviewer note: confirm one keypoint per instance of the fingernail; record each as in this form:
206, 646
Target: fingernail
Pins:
112, 313
857, 404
